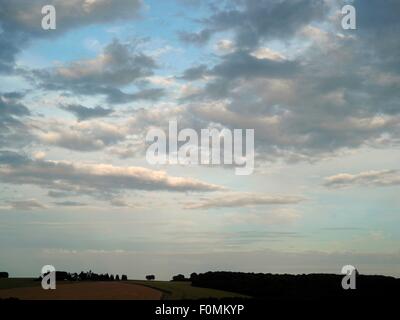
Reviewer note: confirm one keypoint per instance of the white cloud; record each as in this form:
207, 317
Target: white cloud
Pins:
366, 178
82, 136
94, 178
225, 46
267, 53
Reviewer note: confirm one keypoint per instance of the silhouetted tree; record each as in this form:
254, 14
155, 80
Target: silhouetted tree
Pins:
124, 277
3, 275
193, 276
179, 277
62, 275
117, 278
150, 277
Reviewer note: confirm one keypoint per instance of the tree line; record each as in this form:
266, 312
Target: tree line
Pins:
87, 276
303, 286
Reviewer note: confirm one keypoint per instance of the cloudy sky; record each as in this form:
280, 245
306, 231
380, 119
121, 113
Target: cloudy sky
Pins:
77, 102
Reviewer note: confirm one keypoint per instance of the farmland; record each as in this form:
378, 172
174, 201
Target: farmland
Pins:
28, 288
177, 290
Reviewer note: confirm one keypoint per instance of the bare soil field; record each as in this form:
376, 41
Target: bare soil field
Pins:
85, 291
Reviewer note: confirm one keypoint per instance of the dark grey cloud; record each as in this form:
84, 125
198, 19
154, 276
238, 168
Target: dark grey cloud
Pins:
195, 3
239, 66
196, 38
26, 16
20, 21
70, 204
376, 16
120, 203
10, 107
14, 95
236, 200
304, 107
195, 73
12, 158
10, 45
256, 20
13, 131
84, 113
59, 194
242, 64
310, 106
119, 64
378, 27
117, 96
30, 204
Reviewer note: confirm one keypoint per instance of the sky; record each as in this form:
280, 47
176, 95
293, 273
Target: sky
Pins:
77, 102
